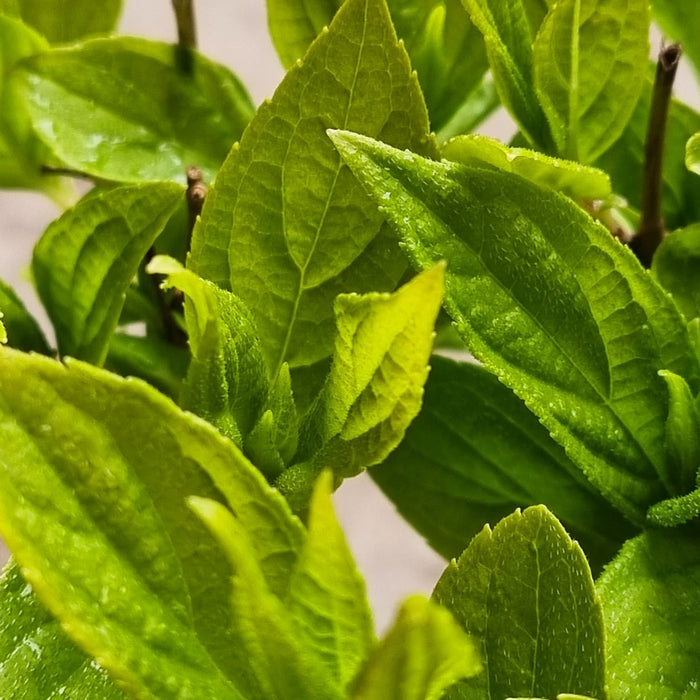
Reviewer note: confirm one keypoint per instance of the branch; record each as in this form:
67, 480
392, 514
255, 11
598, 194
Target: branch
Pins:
186, 29
651, 229
195, 196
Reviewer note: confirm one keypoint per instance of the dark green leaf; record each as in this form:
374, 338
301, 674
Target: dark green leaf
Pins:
680, 21
549, 302
480, 104
23, 331
692, 154
85, 262
124, 109
652, 616
525, 591
423, 653
61, 21
475, 454
287, 228
589, 65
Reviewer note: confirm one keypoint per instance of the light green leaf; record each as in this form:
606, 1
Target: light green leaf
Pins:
287, 228
692, 154
172, 453
624, 162
37, 660
226, 382
549, 302
375, 386
327, 597
423, 653
652, 616
474, 454
24, 332
675, 267
21, 152
3, 332
673, 512
504, 25
160, 363
61, 21
574, 180
590, 59
86, 260
283, 669
476, 108
536, 11
525, 591
679, 20
123, 109
86, 508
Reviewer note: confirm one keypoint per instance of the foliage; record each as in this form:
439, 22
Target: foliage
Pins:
226, 358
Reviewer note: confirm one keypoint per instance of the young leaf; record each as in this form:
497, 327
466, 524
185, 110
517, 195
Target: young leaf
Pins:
624, 162
525, 591
37, 660
287, 227
474, 454
327, 597
172, 453
675, 266
21, 152
375, 386
89, 535
504, 25
692, 153
226, 382
123, 109
423, 654
549, 302
574, 180
679, 20
24, 332
86, 260
62, 22
652, 616
283, 668
590, 63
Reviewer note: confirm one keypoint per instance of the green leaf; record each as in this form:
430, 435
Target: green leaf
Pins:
172, 453
679, 20
287, 228
37, 660
3, 332
504, 25
423, 653
77, 509
590, 59
474, 454
62, 21
652, 616
123, 109
327, 597
86, 260
550, 303
24, 332
574, 180
375, 386
624, 162
675, 267
525, 591
283, 669
226, 382
692, 154
476, 108
21, 152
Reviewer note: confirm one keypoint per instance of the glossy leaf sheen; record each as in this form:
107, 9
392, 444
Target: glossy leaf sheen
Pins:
86, 259
573, 179
130, 110
590, 59
24, 332
525, 591
548, 301
652, 615
474, 454
423, 653
286, 227
110, 574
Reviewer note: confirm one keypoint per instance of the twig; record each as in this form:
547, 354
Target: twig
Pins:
195, 196
651, 229
186, 29
171, 330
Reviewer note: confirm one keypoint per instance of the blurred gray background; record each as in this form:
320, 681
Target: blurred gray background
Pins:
394, 560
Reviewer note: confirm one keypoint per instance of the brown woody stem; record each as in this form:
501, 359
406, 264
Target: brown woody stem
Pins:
651, 229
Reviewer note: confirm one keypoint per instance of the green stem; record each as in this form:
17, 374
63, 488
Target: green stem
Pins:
651, 229
186, 29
